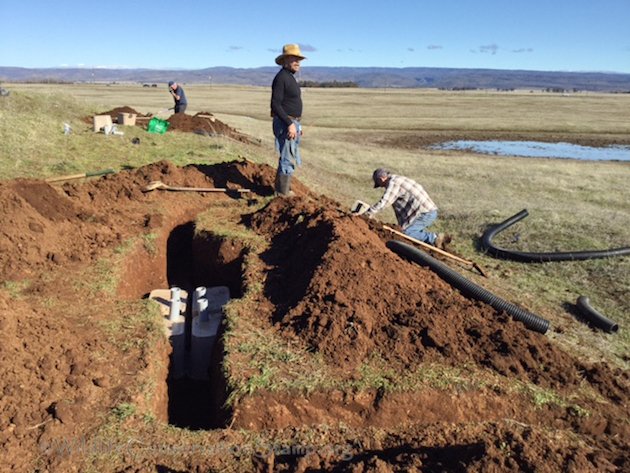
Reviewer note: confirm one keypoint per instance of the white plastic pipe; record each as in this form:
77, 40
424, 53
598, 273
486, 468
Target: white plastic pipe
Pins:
202, 307
198, 294
175, 304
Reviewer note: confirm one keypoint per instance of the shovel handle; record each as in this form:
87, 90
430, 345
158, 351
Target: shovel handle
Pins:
437, 250
428, 247
160, 185
79, 176
203, 189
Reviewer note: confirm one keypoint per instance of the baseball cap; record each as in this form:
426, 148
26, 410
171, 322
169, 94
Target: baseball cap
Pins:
378, 175
170, 82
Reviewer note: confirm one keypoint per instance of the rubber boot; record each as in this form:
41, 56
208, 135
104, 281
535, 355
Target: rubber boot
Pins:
284, 187
277, 183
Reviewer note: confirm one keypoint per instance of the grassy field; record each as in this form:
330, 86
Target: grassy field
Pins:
573, 205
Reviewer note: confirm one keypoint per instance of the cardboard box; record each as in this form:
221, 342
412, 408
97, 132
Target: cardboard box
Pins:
127, 119
101, 120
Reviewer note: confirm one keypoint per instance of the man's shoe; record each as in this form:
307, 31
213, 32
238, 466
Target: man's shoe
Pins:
276, 184
443, 240
439, 241
283, 185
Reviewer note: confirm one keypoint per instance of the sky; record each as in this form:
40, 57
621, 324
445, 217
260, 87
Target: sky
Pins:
546, 35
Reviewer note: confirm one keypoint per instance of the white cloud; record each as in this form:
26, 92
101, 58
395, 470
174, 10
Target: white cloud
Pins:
308, 48
489, 48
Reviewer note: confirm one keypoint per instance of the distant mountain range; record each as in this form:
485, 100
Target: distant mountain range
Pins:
445, 78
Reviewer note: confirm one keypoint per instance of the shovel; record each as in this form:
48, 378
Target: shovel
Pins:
156, 114
437, 250
153, 185
79, 176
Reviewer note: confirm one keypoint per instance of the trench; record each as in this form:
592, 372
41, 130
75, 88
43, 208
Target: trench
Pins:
203, 259
199, 259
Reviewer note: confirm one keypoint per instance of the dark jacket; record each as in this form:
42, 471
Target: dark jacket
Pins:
286, 99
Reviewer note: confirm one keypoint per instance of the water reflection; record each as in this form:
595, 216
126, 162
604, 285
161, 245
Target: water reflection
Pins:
537, 149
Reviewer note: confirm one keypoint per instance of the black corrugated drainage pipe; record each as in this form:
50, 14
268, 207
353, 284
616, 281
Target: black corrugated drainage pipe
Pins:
595, 317
531, 321
525, 257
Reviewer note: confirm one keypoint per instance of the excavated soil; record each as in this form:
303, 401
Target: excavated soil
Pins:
338, 287
202, 123
328, 282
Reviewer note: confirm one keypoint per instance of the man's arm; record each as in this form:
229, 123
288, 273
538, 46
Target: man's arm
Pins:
389, 197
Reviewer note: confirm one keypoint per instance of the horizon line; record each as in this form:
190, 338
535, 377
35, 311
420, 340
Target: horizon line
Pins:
177, 69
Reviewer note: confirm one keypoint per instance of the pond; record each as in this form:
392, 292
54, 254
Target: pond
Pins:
537, 149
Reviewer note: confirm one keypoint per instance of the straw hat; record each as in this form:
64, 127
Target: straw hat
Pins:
289, 50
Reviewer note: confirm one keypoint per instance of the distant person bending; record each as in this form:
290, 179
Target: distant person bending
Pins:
286, 110
414, 209
179, 96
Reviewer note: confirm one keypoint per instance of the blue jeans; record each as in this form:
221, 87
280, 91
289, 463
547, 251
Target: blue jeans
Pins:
417, 228
289, 150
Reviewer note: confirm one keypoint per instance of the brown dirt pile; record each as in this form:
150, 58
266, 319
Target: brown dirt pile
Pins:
40, 220
114, 112
202, 123
39, 223
333, 283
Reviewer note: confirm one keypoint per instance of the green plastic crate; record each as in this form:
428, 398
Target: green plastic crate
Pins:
157, 125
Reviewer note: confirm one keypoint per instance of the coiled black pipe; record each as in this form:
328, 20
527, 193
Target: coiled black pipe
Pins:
595, 317
531, 321
525, 257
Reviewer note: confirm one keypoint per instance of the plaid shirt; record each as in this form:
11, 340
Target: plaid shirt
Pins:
408, 198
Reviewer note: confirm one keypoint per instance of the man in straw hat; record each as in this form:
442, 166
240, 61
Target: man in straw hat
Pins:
286, 110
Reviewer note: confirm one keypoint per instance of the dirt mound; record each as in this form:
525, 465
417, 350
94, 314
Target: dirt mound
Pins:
40, 219
204, 123
336, 285
118, 110
39, 222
